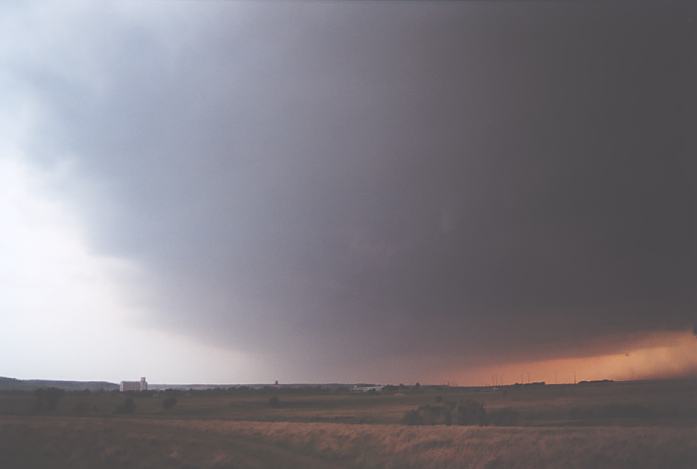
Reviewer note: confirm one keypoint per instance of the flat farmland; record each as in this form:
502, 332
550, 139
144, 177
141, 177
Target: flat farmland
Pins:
137, 442
632, 425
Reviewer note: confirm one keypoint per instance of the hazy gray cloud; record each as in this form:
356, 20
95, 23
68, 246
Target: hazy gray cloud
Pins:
465, 182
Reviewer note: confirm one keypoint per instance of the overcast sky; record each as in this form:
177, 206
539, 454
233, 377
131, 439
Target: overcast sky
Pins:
376, 191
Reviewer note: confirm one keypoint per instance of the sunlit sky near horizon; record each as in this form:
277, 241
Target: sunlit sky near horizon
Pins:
240, 192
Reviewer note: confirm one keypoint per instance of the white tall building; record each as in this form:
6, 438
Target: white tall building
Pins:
141, 385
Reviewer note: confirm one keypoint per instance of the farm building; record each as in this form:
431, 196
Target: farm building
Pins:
367, 387
141, 385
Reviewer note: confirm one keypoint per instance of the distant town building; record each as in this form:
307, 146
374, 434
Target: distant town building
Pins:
367, 387
127, 386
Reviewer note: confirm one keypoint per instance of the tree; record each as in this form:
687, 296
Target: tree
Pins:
128, 406
412, 417
47, 399
169, 402
470, 412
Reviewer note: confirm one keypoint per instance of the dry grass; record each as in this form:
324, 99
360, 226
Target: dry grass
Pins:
444, 447
624, 425
134, 442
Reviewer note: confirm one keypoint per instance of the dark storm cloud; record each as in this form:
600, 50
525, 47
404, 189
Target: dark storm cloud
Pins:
464, 182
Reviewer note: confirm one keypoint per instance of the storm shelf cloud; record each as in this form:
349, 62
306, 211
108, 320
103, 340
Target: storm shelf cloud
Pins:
367, 190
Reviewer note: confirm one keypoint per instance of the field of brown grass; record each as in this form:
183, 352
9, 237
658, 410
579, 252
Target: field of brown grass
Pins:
623, 425
133, 442
604, 404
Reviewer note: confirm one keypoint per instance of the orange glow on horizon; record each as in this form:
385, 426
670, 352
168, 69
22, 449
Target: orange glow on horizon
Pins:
666, 355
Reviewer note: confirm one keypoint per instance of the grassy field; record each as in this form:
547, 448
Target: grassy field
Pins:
607, 425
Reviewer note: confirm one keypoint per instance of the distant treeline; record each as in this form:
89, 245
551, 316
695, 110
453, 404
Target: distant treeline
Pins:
462, 412
12, 384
